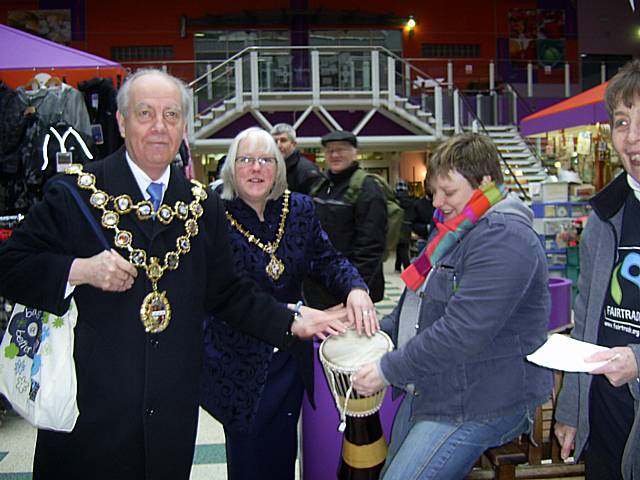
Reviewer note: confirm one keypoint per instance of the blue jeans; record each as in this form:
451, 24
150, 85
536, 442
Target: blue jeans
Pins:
444, 450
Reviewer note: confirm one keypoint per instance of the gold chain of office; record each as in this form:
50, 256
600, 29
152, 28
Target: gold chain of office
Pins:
275, 267
155, 311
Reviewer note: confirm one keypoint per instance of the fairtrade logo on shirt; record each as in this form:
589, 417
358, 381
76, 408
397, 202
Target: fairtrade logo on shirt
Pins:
623, 315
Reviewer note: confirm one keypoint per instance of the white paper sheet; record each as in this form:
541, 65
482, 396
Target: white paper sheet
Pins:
561, 352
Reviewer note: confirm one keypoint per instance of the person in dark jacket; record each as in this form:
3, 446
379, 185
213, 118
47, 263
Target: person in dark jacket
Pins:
358, 229
302, 173
422, 221
406, 202
473, 309
137, 389
254, 392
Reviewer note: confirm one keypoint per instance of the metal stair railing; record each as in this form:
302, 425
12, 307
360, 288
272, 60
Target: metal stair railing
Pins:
245, 79
518, 99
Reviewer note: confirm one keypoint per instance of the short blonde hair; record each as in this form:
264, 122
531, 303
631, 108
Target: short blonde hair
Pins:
257, 138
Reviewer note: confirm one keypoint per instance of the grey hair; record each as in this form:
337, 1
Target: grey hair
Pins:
122, 98
284, 128
623, 87
257, 138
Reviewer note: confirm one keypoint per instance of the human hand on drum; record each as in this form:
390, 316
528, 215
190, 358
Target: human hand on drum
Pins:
368, 380
361, 312
319, 323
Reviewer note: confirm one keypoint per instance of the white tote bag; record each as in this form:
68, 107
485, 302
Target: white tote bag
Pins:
37, 371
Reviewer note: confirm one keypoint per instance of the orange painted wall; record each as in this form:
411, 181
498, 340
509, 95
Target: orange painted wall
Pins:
144, 22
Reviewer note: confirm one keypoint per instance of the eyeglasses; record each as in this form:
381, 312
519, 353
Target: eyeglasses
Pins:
247, 162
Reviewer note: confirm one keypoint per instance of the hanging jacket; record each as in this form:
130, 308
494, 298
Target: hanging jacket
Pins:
58, 103
12, 129
100, 101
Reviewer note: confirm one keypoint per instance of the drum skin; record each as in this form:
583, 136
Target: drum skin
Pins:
343, 355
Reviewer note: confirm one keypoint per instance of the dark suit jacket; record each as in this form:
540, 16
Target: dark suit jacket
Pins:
137, 392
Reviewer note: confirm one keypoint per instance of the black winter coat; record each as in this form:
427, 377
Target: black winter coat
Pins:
357, 231
406, 202
423, 217
302, 173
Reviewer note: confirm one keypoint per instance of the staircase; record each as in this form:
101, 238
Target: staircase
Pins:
518, 155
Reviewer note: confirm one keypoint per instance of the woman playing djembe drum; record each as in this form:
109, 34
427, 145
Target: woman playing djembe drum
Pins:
277, 240
476, 304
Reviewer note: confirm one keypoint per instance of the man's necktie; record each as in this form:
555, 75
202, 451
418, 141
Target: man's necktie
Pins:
155, 192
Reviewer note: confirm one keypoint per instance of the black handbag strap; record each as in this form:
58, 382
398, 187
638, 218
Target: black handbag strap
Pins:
86, 212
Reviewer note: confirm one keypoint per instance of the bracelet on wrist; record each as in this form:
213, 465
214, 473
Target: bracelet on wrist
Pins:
296, 310
295, 316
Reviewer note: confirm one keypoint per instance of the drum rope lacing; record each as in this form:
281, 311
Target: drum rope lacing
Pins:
340, 375
342, 409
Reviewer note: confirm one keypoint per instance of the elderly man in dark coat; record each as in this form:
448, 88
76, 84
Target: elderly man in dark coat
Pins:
302, 174
137, 389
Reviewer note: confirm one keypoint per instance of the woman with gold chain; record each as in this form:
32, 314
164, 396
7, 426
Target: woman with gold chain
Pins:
277, 240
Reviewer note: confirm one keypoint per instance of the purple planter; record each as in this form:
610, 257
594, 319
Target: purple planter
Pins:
321, 440
560, 314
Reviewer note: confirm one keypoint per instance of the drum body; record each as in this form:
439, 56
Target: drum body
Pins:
364, 447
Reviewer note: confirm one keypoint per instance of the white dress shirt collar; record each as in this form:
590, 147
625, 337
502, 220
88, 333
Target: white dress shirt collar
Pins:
143, 180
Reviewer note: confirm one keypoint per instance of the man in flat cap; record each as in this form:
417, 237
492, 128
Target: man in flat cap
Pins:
353, 212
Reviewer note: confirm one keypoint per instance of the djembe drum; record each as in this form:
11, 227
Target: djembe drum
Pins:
364, 447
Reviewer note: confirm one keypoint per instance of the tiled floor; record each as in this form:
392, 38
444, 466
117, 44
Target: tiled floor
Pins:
17, 441
17, 438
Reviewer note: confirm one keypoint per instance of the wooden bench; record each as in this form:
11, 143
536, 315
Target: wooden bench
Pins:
529, 456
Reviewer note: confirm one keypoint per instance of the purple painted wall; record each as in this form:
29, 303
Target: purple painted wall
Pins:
313, 127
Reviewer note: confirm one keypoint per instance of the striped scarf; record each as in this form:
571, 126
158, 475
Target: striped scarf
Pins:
451, 232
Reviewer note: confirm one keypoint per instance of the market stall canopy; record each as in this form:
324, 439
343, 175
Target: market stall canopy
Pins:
23, 55
586, 108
